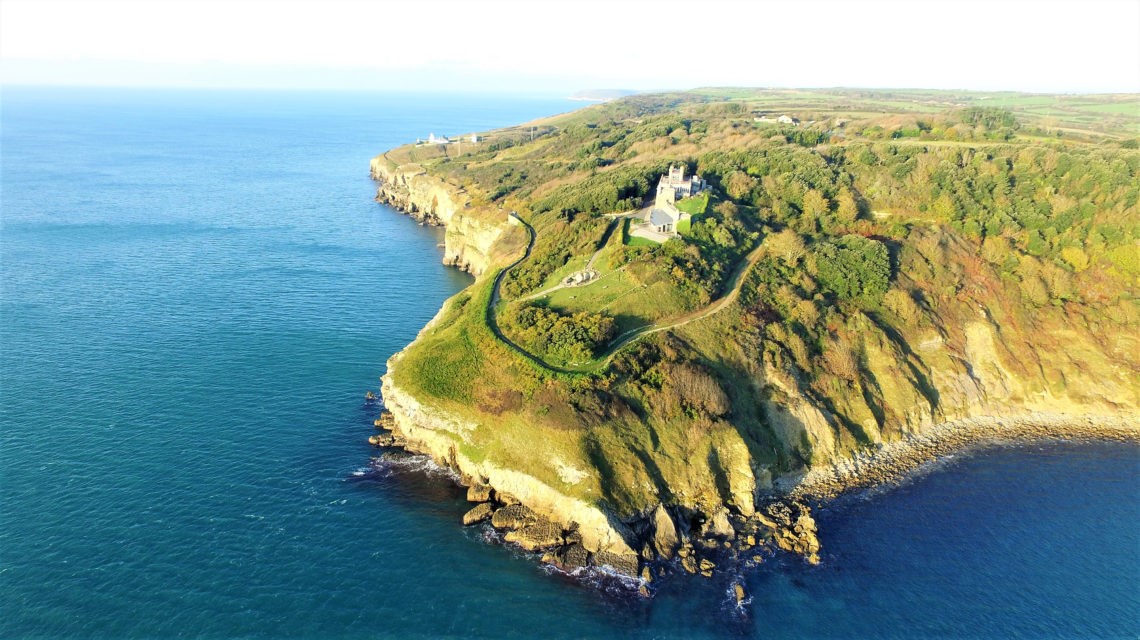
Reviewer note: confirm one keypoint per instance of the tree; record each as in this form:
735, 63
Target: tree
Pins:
847, 209
787, 245
854, 268
815, 204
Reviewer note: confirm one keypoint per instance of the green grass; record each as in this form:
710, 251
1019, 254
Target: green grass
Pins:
634, 241
695, 205
446, 361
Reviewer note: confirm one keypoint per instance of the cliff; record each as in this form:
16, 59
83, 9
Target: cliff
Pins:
469, 238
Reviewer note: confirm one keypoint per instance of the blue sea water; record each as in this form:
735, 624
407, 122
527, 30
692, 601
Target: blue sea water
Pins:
197, 289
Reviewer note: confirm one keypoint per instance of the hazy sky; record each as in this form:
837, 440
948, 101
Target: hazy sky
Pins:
1088, 45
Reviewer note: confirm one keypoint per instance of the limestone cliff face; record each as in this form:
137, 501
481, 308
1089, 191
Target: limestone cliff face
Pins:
469, 239
960, 377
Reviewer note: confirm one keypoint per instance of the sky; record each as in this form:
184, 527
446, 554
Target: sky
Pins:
559, 46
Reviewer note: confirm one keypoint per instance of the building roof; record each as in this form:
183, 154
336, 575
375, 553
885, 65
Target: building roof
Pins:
663, 215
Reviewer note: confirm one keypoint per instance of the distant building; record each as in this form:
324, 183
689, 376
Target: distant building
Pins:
788, 120
433, 139
474, 138
675, 185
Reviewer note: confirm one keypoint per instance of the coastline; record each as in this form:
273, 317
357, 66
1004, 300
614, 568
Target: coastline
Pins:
578, 536
897, 461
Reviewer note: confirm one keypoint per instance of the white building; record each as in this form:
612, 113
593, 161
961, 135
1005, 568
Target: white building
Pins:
675, 185
664, 218
433, 139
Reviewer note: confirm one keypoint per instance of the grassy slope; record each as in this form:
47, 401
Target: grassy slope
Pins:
650, 428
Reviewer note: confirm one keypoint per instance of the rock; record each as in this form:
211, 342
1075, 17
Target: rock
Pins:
513, 516
480, 513
542, 534
646, 575
781, 513
689, 563
766, 521
738, 591
506, 498
478, 493
573, 534
385, 421
382, 440
718, 525
643, 591
576, 557
706, 565
665, 538
622, 563
568, 558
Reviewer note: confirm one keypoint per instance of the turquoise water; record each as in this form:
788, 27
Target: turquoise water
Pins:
197, 291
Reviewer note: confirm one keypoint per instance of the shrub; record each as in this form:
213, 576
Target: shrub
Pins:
854, 268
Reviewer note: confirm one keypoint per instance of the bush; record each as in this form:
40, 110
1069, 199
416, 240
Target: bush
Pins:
854, 268
572, 338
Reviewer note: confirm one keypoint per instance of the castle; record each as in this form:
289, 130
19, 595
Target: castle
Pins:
675, 185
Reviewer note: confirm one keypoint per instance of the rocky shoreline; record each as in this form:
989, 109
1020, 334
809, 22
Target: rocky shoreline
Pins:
896, 461
670, 540
665, 541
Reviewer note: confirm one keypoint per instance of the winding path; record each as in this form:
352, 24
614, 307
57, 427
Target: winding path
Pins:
733, 292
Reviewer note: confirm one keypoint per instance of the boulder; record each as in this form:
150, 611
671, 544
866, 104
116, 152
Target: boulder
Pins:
542, 534
706, 567
513, 516
738, 591
718, 526
480, 513
506, 498
478, 492
689, 563
665, 537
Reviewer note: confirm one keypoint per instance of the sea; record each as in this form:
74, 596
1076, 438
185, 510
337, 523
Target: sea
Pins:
197, 292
